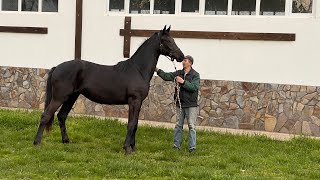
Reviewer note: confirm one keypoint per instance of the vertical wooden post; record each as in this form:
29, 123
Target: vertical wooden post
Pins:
127, 37
78, 34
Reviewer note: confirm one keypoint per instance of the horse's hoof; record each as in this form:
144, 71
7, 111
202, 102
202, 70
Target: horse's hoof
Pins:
36, 143
66, 141
133, 149
127, 151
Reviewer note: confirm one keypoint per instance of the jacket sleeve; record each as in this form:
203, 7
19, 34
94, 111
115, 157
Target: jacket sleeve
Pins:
167, 76
193, 85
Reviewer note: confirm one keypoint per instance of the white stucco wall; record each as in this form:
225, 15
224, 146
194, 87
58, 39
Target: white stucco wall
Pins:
38, 50
293, 62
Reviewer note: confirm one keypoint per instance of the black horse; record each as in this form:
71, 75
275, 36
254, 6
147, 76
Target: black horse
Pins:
127, 82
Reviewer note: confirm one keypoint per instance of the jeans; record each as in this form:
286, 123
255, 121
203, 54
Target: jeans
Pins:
189, 113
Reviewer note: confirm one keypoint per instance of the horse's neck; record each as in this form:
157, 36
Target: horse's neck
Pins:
146, 59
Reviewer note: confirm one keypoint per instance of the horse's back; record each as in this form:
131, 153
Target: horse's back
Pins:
78, 70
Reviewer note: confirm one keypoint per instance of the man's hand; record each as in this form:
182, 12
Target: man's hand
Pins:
179, 80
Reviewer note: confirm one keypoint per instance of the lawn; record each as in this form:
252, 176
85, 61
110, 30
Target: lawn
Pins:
95, 152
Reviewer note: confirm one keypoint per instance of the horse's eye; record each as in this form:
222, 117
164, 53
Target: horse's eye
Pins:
167, 41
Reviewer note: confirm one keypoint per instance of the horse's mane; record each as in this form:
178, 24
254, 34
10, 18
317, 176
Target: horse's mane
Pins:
124, 65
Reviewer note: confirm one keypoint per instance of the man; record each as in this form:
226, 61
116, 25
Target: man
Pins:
189, 81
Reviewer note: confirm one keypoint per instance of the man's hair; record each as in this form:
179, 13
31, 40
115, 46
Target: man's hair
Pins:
190, 58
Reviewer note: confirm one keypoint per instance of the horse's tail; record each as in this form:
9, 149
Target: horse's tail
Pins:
48, 98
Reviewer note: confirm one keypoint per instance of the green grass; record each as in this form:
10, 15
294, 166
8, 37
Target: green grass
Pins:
95, 152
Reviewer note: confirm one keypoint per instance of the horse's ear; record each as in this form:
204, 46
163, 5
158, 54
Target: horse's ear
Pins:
164, 29
168, 30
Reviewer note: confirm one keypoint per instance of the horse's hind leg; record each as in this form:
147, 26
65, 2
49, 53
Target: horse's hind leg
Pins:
63, 114
45, 118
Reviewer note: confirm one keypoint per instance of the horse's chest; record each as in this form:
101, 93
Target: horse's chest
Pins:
139, 89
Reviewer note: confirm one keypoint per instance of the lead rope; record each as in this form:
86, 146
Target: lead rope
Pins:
177, 86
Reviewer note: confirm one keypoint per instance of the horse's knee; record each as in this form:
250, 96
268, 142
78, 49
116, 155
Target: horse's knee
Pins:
44, 118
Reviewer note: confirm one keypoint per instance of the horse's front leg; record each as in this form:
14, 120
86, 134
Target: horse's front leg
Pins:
134, 109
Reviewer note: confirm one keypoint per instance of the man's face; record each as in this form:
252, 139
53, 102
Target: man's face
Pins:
186, 63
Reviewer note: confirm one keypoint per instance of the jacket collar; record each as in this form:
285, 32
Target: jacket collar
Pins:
190, 72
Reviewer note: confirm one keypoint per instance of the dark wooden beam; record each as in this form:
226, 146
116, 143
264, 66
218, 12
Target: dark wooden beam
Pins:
78, 34
214, 35
127, 32
30, 30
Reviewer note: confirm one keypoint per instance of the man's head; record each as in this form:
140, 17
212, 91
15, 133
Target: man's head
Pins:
187, 61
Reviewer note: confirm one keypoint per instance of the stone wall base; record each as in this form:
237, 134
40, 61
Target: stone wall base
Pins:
281, 108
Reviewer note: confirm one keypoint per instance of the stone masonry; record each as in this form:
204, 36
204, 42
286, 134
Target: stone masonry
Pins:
240, 105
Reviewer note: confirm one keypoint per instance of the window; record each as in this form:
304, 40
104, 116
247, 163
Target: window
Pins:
216, 7
139, 7
302, 6
198, 7
10, 5
272, 7
243, 7
190, 6
49, 5
164, 7
29, 5
116, 6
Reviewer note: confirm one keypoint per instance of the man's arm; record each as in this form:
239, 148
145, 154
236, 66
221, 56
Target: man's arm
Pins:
167, 76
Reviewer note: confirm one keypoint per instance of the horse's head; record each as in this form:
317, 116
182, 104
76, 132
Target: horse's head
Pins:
168, 47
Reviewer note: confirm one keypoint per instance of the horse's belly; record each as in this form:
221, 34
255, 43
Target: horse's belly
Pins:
106, 97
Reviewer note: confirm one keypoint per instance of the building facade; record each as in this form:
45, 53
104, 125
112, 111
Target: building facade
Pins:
260, 84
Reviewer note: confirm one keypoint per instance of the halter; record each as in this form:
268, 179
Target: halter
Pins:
170, 53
